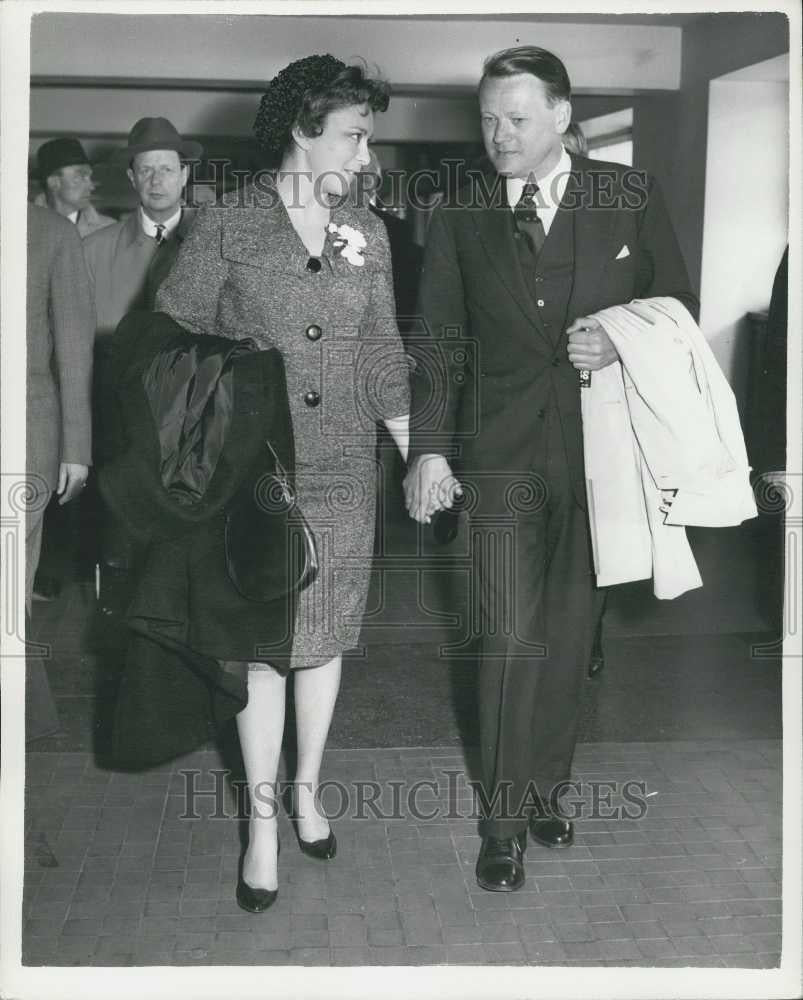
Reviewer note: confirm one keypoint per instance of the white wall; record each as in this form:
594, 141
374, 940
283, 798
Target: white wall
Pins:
410, 51
746, 208
433, 63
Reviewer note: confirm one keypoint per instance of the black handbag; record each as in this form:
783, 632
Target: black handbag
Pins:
270, 548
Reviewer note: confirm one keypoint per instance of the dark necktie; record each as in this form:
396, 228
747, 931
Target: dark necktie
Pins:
525, 215
160, 233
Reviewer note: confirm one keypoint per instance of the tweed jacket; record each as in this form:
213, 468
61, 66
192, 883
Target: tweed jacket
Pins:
89, 219
493, 375
60, 328
126, 267
244, 272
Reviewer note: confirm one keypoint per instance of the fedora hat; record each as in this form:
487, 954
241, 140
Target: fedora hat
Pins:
158, 133
58, 153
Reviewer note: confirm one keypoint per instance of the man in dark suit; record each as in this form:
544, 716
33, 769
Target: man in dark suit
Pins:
514, 268
60, 330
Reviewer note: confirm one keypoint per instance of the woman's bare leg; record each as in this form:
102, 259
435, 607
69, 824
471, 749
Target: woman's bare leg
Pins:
260, 726
315, 696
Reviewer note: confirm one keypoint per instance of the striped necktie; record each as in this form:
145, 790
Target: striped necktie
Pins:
528, 223
160, 233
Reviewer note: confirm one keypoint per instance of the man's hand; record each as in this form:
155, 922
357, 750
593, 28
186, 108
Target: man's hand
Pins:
72, 479
590, 346
429, 486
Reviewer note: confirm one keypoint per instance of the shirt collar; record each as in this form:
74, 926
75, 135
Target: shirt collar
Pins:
73, 217
550, 187
149, 226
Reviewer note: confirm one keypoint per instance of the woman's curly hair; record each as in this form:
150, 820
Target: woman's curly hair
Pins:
305, 92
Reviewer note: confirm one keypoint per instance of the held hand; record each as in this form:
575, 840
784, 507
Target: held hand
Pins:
429, 486
590, 346
72, 479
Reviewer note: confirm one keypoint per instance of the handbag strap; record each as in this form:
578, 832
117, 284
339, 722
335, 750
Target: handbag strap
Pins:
281, 472
281, 475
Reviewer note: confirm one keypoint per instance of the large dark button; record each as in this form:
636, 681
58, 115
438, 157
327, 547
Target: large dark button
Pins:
541, 414
555, 362
314, 265
313, 332
312, 398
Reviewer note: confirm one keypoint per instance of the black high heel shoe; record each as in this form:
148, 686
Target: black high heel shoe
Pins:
324, 849
251, 899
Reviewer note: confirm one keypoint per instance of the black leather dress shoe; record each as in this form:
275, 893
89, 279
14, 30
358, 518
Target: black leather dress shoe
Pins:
324, 849
552, 831
500, 865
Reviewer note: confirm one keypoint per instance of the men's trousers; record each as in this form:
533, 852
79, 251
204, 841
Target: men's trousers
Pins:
537, 604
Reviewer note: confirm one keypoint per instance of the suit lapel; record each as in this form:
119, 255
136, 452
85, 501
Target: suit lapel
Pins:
593, 232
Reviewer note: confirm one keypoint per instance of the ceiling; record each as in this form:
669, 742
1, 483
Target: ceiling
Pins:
674, 20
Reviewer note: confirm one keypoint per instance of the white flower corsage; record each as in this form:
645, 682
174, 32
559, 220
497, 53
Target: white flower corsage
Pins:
352, 242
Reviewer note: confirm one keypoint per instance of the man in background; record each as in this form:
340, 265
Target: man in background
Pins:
66, 177
127, 263
60, 330
129, 260
65, 174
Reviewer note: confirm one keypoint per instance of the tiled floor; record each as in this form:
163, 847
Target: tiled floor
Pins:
116, 875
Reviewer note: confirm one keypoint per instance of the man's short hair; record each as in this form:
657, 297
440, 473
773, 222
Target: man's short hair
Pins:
539, 63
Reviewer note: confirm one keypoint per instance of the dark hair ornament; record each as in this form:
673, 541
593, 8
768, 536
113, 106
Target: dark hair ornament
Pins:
284, 97
304, 92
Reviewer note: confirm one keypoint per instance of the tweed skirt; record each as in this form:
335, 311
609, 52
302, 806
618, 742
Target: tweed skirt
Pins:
338, 500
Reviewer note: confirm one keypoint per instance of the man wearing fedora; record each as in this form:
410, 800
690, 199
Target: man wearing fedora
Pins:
127, 262
66, 176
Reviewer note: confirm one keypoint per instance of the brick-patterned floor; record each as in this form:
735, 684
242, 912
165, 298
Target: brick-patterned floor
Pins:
116, 876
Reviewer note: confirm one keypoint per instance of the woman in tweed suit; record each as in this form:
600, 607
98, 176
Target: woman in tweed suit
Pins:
300, 264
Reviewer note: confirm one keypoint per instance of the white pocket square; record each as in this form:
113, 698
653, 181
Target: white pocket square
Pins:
624, 252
